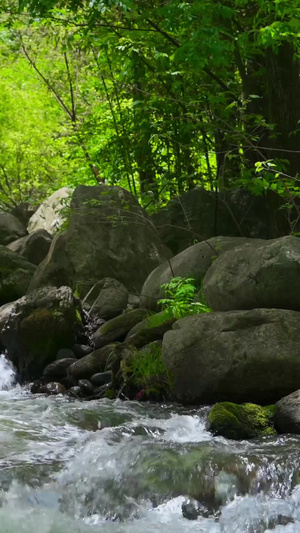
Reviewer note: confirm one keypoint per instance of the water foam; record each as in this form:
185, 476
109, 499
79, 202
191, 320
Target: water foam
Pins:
7, 374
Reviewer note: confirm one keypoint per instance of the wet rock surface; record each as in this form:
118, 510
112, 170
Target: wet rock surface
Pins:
101, 378
58, 369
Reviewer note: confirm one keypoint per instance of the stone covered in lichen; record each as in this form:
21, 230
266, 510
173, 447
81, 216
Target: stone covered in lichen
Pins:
238, 422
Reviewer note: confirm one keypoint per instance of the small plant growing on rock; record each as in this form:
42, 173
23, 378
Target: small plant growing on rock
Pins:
180, 299
146, 371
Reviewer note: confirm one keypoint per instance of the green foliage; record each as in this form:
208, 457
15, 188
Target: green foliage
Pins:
157, 97
147, 369
181, 294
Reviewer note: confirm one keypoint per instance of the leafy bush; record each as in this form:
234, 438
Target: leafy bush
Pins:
181, 294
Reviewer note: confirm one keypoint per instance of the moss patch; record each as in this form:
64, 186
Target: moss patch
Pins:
151, 329
245, 421
157, 319
121, 324
110, 394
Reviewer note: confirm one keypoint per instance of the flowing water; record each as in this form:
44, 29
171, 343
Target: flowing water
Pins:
126, 467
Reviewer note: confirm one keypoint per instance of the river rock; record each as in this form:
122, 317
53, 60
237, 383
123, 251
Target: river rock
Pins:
200, 214
109, 234
87, 388
10, 228
287, 414
192, 262
107, 299
150, 329
40, 323
80, 350
117, 328
91, 364
32, 247
65, 353
52, 388
238, 356
102, 378
50, 214
247, 421
103, 392
75, 392
256, 274
58, 369
15, 275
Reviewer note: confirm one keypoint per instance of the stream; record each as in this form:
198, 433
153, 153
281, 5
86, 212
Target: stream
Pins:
128, 467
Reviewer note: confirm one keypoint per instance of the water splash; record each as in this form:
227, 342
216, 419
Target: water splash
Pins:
7, 374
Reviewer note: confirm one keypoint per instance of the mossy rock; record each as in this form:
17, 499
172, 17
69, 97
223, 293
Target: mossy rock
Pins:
117, 328
35, 328
247, 421
41, 323
150, 329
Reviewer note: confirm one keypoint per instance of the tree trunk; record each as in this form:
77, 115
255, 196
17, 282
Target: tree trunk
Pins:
142, 147
274, 76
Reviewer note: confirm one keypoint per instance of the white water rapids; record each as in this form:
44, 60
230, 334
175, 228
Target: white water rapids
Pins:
124, 467
7, 374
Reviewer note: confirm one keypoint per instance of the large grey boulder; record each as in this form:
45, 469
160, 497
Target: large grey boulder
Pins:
200, 214
238, 356
15, 275
287, 413
256, 274
192, 262
33, 247
10, 228
50, 215
109, 234
107, 299
39, 324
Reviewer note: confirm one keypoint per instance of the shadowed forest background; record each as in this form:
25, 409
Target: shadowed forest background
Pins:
155, 96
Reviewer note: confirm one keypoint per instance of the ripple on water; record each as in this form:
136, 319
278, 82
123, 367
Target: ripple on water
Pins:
125, 467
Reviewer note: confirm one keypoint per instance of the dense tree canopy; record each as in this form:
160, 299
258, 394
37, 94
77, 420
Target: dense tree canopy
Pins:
157, 96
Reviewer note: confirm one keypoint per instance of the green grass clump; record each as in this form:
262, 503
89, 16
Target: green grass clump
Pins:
147, 368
